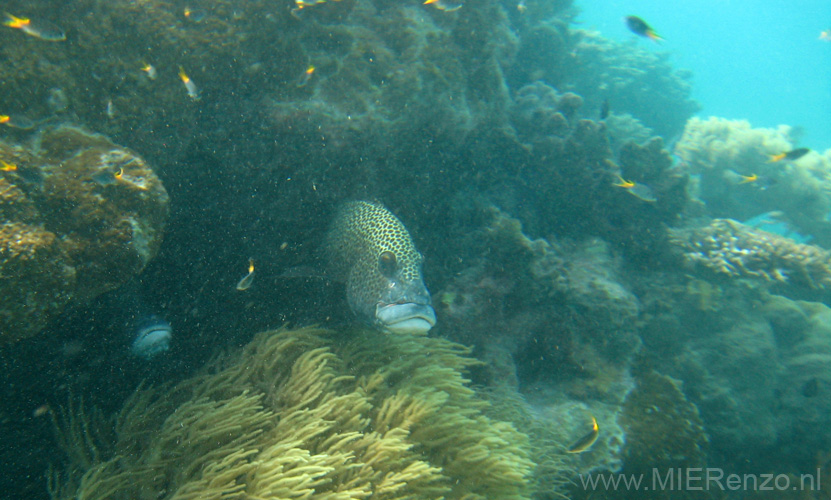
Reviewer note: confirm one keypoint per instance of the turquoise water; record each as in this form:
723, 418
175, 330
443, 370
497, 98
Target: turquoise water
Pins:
544, 228
760, 61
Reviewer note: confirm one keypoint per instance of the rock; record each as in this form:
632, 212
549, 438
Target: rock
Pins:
81, 216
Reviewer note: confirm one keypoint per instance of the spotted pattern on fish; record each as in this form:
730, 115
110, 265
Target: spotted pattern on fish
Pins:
359, 234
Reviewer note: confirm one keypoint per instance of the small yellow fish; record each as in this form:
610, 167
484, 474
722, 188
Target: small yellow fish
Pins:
7, 167
444, 5
307, 75
636, 189
245, 282
195, 15
791, 155
302, 4
193, 92
585, 442
17, 121
747, 179
150, 70
825, 35
40, 29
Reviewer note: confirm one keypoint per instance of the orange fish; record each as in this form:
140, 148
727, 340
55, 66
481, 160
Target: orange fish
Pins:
245, 282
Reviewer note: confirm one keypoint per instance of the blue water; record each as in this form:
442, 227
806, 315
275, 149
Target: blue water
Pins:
761, 61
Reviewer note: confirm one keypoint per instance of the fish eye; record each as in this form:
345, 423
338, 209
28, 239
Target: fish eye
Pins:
387, 263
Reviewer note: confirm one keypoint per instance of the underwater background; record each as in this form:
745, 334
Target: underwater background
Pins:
759, 62
623, 225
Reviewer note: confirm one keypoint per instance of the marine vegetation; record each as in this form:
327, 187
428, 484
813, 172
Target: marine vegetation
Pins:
80, 216
304, 413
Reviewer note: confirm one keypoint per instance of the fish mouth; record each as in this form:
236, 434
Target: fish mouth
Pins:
152, 340
407, 317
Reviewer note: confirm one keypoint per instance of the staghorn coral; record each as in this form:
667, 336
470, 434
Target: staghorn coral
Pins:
721, 151
296, 415
730, 248
81, 215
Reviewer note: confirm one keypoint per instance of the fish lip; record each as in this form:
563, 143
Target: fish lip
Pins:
405, 317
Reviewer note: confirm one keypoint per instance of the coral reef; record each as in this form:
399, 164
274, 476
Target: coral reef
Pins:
730, 248
80, 217
721, 151
802, 331
635, 81
539, 111
567, 170
560, 300
304, 414
755, 364
552, 423
624, 128
408, 105
663, 433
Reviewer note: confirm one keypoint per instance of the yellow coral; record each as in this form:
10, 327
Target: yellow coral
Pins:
295, 415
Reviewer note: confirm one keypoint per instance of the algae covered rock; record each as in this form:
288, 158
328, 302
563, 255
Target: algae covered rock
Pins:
80, 215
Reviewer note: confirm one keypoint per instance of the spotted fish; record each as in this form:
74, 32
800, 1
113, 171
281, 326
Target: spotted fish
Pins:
371, 250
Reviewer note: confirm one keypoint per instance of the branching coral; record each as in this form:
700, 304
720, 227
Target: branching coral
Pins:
731, 248
297, 416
